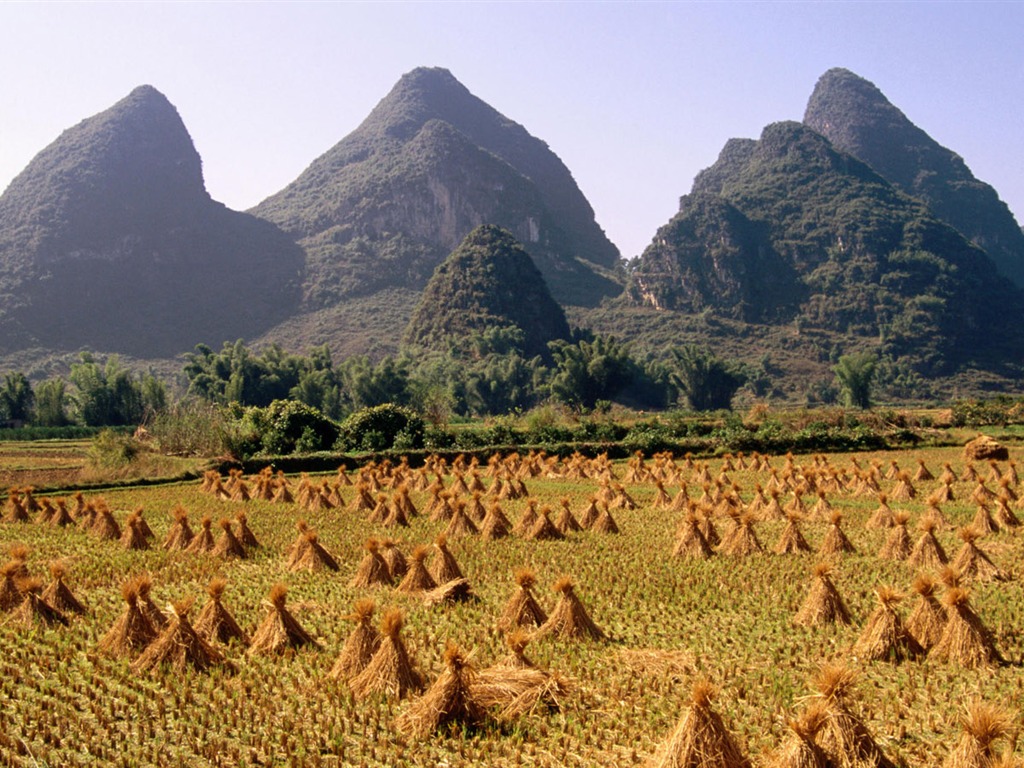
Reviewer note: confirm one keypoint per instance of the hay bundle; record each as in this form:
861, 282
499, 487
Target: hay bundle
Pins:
454, 591
202, 543
396, 516
133, 537
144, 585
897, 543
843, 736
372, 570
1004, 516
605, 523
965, 640
690, 541
180, 534
245, 534
522, 609
590, 514
822, 509
14, 510
799, 749
527, 519
543, 529
742, 539
884, 637
10, 594
417, 578
883, 516
984, 447
566, 522
394, 559
835, 541
179, 646
927, 552
61, 518
380, 511
942, 494
443, 566
449, 701
279, 631
34, 610
390, 672
922, 475
105, 527
983, 522
904, 489
215, 622
928, 619
46, 512
361, 644
973, 563
515, 686
569, 620
791, 540
495, 525
59, 595
459, 524
823, 604
308, 554
132, 631
701, 739
984, 725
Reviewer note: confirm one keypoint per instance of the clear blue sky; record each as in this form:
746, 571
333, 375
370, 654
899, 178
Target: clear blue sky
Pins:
636, 98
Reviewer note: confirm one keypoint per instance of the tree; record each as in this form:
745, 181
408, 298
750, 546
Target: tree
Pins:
52, 403
590, 370
16, 398
110, 395
707, 382
855, 373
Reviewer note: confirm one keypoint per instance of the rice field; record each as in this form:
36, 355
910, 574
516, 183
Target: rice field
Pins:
669, 621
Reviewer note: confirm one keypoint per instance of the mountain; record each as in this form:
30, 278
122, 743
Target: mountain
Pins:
109, 240
382, 208
789, 229
488, 282
857, 118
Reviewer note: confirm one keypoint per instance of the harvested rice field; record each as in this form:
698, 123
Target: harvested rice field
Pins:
668, 607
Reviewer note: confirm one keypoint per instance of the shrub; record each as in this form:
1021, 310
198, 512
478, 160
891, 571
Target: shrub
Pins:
381, 427
111, 450
285, 427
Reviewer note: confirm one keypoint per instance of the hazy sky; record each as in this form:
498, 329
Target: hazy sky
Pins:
636, 98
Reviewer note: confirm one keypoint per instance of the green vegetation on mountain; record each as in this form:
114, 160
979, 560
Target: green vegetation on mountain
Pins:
857, 118
488, 282
109, 240
858, 257
388, 203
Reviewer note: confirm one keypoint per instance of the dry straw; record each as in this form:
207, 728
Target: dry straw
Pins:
569, 620
799, 748
928, 619
179, 647
701, 739
202, 542
522, 609
928, 551
843, 736
390, 672
884, 637
965, 641
280, 631
34, 610
449, 701
215, 622
417, 578
443, 566
823, 604
971, 562
132, 631
897, 543
835, 541
984, 725
59, 595
792, 539
228, 545
373, 570
180, 534
361, 644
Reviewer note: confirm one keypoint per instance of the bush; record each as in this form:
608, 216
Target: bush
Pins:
112, 450
381, 427
285, 427
191, 428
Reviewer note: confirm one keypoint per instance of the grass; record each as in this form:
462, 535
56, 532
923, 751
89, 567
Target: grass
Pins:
66, 704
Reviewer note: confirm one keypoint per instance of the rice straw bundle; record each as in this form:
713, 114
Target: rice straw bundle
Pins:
449, 701
897, 543
245, 534
605, 523
34, 610
452, 591
835, 541
459, 524
927, 552
179, 647
361, 644
215, 622
928, 619
309, 554
799, 749
791, 540
105, 527
884, 637
203, 542
823, 604
10, 595
690, 542
495, 525
372, 570
443, 566
279, 631
883, 516
522, 609
543, 529
973, 563
132, 631
965, 641
701, 739
569, 620
390, 672
843, 736
394, 558
417, 578
132, 537
984, 725
59, 595
180, 534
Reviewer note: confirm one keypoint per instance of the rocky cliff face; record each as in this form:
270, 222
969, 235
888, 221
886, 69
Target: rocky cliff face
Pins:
789, 228
388, 203
857, 118
489, 281
109, 240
